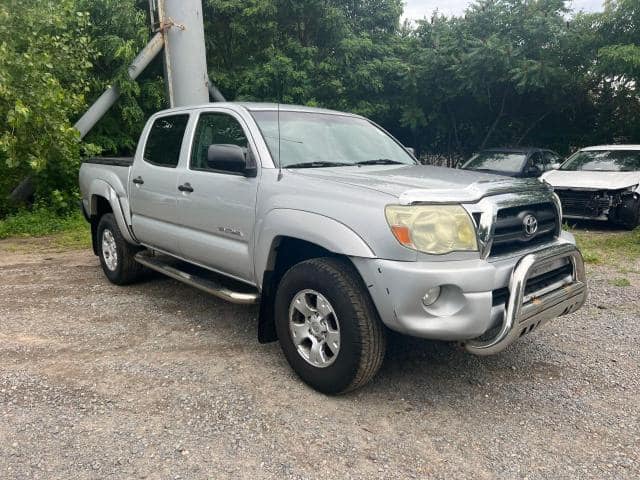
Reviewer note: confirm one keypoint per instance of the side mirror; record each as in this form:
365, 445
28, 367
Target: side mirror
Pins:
556, 166
411, 150
230, 158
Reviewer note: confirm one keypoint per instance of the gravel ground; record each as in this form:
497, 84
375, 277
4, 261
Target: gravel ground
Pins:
158, 380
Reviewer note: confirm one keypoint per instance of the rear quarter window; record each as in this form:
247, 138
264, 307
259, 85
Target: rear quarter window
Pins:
164, 141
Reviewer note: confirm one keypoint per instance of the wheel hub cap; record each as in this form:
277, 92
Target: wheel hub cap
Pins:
314, 328
109, 250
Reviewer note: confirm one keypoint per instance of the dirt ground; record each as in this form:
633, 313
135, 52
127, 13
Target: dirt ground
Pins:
158, 380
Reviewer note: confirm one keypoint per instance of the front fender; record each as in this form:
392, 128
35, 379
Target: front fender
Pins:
100, 188
311, 227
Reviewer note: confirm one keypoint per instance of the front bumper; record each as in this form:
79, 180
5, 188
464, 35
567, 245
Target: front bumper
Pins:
470, 308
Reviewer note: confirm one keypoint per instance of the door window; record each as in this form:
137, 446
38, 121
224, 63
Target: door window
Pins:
551, 158
165, 141
536, 163
215, 129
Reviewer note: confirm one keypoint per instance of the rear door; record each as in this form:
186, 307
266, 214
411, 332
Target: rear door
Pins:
153, 185
217, 214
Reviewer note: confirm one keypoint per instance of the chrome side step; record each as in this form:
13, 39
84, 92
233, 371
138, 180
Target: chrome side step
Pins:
202, 280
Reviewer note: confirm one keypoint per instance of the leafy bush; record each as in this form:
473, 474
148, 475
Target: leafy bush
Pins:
44, 75
41, 222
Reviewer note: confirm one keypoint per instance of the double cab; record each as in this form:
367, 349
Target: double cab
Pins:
336, 231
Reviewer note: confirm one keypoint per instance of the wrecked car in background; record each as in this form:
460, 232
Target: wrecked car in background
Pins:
600, 183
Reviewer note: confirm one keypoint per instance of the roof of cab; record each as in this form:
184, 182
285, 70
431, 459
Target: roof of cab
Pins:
611, 147
513, 149
259, 106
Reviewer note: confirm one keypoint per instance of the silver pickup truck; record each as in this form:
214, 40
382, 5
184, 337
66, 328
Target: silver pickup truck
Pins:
336, 231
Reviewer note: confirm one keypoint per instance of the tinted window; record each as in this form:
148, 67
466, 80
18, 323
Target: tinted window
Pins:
165, 140
537, 160
215, 129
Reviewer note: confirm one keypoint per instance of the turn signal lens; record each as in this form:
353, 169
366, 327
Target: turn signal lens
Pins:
435, 229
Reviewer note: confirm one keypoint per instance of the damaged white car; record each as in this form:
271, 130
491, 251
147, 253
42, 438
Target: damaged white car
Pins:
600, 183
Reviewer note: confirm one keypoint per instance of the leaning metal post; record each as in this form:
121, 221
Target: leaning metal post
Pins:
180, 29
111, 95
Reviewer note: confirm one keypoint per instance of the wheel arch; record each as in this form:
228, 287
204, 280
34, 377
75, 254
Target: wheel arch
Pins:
289, 237
104, 199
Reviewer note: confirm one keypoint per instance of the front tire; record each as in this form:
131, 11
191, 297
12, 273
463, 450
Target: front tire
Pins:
327, 325
116, 254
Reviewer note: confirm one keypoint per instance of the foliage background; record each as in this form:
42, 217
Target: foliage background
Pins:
508, 72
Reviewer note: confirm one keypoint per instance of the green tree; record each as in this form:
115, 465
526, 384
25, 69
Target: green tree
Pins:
44, 76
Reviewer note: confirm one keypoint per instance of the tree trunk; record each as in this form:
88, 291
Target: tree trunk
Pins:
495, 122
23, 191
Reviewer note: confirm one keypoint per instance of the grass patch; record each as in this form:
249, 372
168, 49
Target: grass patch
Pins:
621, 282
615, 248
67, 232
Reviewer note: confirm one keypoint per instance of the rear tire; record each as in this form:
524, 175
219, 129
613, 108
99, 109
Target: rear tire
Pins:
327, 325
116, 254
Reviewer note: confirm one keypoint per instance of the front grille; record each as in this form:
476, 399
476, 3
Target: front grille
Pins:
539, 283
583, 203
510, 235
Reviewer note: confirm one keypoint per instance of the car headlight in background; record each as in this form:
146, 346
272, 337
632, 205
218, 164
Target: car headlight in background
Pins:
434, 229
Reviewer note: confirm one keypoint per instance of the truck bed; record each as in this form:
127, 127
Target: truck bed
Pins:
114, 161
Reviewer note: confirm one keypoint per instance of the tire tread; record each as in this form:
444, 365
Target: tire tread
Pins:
372, 332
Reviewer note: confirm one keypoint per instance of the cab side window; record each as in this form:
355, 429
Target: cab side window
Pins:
550, 159
536, 164
215, 129
165, 141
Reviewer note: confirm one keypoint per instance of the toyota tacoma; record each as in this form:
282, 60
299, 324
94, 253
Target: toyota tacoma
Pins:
336, 231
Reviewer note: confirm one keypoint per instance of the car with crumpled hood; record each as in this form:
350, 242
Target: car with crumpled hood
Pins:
600, 183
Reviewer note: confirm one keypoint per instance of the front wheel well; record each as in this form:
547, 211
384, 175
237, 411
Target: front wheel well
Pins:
285, 253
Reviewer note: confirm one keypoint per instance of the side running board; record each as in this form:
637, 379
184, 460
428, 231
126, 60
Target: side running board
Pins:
197, 277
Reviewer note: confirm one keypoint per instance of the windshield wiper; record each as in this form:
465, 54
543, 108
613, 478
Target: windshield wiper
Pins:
380, 161
318, 164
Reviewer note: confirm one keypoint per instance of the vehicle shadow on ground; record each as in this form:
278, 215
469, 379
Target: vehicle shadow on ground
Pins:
412, 366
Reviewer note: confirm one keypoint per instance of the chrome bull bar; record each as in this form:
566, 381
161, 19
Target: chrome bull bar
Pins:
523, 315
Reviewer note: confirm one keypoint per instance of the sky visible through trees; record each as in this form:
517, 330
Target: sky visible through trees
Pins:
418, 9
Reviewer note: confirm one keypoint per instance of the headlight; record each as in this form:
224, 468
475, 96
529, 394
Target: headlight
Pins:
434, 229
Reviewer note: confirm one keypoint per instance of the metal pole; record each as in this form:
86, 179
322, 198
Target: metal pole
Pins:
111, 95
215, 94
185, 55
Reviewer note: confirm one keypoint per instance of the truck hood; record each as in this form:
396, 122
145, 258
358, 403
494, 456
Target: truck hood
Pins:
416, 183
582, 180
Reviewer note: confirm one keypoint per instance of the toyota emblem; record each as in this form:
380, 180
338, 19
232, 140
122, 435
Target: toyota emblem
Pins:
530, 224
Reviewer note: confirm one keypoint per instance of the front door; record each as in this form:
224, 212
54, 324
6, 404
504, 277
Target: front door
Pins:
217, 211
153, 188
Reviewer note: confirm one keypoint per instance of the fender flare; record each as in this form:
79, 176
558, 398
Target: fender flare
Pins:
100, 188
325, 232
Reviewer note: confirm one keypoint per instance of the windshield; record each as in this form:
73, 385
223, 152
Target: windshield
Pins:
509, 162
319, 139
604, 161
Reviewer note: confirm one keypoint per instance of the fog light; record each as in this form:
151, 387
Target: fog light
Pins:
431, 296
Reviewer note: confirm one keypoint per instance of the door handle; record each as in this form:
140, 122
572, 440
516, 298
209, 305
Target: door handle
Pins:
186, 188
138, 180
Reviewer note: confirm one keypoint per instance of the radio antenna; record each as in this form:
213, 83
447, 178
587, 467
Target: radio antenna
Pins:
279, 143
